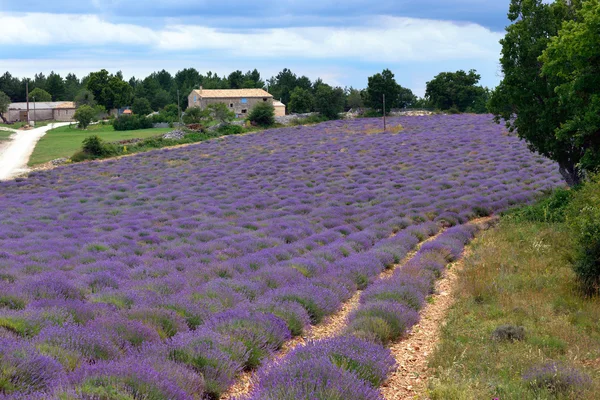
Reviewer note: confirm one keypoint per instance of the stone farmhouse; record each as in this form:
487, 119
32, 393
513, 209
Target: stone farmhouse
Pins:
41, 111
240, 101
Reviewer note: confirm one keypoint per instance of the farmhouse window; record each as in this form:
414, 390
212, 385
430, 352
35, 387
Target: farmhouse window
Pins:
264, 99
244, 111
230, 105
244, 101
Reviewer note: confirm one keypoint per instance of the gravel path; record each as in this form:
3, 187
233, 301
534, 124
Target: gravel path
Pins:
15, 154
410, 379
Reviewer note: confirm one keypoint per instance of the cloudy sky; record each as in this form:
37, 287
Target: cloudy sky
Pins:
342, 42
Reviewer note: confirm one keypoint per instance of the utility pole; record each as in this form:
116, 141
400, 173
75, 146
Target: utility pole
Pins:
33, 110
27, 97
384, 121
178, 109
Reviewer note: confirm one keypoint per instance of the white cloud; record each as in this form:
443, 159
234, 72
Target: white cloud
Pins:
387, 39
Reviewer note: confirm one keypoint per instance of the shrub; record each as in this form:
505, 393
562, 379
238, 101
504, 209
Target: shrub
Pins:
369, 361
583, 216
294, 315
317, 301
220, 112
194, 115
263, 114
230, 130
260, 333
557, 379
219, 358
133, 379
311, 379
93, 145
24, 370
86, 114
551, 209
166, 322
508, 333
132, 122
396, 292
381, 322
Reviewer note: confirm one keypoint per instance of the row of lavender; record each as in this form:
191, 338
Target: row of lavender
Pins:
205, 259
352, 366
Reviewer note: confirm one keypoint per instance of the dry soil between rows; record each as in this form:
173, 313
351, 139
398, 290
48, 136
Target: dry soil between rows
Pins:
410, 379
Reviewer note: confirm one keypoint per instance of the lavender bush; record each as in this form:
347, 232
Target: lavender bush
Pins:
285, 224
557, 379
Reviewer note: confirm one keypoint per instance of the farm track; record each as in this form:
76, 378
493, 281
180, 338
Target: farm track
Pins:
410, 379
331, 327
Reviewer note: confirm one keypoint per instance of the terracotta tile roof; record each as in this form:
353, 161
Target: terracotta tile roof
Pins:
127, 112
277, 103
231, 93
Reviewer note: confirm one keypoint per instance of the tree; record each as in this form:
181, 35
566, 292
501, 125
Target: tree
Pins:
161, 99
574, 57
12, 86
252, 79
72, 87
301, 101
282, 85
525, 98
4, 103
194, 115
220, 112
85, 97
406, 98
263, 114
55, 85
141, 106
236, 79
380, 85
170, 112
84, 115
110, 91
40, 95
354, 99
456, 90
329, 101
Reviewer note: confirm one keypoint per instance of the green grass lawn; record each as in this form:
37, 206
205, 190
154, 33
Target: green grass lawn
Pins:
65, 141
4, 135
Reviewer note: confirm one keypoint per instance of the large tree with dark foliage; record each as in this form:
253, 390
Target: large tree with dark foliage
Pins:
329, 101
574, 57
396, 96
110, 91
282, 85
526, 99
55, 85
455, 90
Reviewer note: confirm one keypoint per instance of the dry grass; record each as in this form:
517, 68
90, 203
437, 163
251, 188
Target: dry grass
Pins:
518, 274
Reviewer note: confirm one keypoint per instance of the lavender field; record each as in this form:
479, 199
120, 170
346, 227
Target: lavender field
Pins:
166, 274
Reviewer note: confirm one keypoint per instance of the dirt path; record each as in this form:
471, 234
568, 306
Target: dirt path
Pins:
409, 381
332, 326
15, 154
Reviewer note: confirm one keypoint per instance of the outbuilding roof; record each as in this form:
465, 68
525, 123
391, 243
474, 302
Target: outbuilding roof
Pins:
230, 93
42, 105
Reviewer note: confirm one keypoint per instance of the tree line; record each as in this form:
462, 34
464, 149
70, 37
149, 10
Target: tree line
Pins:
455, 91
